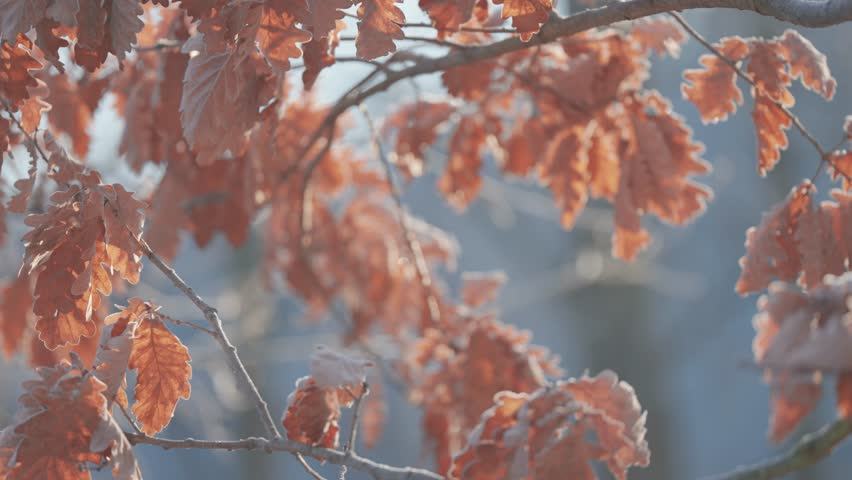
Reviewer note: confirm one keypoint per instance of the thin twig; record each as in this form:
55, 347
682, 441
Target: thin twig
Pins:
377, 470
308, 468
212, 316
129, 419
462, 29
809, 450
349, 447
184, 323
413, 244
415, 38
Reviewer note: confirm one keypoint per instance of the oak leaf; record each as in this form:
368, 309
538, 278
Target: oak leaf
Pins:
807, 62
771, 250
658, 34
448, 14
334, 370
527, 15
378, 27
163, 372
713, 89
313, 413
222, 94
480, 288
19, 16
770, 121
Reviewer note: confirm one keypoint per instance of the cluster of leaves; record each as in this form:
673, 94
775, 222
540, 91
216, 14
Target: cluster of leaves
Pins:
205, 89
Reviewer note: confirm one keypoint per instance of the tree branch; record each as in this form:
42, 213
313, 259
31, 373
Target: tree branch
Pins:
805, 13
230, 350
809, 450
352, 460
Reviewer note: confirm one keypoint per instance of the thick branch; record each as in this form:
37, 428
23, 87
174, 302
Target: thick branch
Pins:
351, 460
810, 449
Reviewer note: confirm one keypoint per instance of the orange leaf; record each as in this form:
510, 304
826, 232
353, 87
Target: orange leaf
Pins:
448, 14
769, 122
771, 250
461, 180
15, 313
714, 89
278, 33
19, 16
55, 440
660, 34
163, 372
844, 395
563, 170
479, 288
222, 94
527, 15
312, 414
807, 62
324, 16
378, 27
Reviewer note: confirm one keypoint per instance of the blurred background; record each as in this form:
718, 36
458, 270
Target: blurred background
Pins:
670, 324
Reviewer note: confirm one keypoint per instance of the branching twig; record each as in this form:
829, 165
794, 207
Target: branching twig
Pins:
807, 14
809, 450
349, 447
377, 470
218, 332
411, 240
797, 122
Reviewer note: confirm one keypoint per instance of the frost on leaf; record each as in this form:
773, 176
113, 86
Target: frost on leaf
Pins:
771, 66
480, 288
713, 89
333, 370
62, 426
378, 27
658, 160
88, 228
545, 435
313, 412
771, 251
799, 336
769, 123
162, 366
455, 373
807, 62
798, 241
564, 170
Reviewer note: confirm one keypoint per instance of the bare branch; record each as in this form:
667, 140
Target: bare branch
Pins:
377, 470
809, 450
230, 350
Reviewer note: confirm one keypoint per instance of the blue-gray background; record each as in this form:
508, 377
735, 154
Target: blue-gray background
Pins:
670, 324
